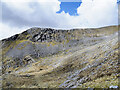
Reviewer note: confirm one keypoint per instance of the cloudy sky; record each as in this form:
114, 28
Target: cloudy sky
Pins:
19, 15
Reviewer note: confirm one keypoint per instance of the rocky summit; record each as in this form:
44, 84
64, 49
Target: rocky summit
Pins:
50, 58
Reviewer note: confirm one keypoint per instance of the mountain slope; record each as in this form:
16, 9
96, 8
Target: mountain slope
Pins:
61, 58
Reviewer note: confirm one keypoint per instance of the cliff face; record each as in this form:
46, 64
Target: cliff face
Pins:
61, 58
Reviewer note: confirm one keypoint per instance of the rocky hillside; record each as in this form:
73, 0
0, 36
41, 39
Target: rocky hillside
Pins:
76, 58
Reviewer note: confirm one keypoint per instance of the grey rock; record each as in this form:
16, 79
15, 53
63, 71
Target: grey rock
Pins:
113, 86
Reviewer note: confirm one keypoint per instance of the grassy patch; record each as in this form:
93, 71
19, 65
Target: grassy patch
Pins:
103, 82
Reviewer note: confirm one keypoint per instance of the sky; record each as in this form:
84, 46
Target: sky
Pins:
19, 15
69, 7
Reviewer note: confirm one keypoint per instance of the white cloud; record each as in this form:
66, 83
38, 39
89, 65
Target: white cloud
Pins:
99, 12
7, 31
42, 13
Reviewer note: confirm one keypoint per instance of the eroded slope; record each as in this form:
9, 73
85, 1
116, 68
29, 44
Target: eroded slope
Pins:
61, 58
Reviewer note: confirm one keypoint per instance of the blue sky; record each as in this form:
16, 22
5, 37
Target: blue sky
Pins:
19, 15
69, 7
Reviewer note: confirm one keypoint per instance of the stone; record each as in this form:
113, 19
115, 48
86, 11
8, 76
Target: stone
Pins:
113, 86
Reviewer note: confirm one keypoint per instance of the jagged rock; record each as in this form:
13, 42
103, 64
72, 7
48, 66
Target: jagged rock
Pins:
29, 59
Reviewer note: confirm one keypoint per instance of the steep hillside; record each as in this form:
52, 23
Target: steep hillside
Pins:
76, 58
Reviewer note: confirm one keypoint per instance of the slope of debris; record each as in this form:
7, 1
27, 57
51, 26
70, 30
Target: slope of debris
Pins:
49, 58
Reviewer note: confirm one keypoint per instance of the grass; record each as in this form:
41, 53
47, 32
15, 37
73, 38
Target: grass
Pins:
103, 82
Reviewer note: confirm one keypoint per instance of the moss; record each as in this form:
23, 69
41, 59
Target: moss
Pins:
24, 45
53, 43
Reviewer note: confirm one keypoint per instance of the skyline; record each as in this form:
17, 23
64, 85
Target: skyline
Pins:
19, 16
